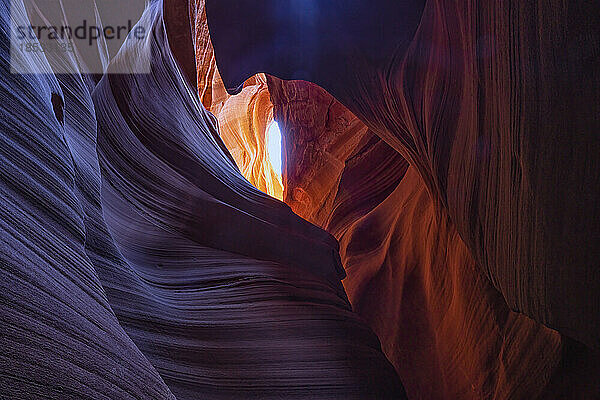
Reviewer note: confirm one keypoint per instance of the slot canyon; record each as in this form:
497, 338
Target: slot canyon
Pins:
303, 199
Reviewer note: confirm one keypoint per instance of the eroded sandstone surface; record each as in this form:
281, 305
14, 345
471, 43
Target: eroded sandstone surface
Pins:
439, 231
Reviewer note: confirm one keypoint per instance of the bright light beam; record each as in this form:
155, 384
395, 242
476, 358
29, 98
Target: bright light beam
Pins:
274, 146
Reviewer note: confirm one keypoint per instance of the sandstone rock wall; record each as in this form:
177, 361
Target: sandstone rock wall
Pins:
137, 262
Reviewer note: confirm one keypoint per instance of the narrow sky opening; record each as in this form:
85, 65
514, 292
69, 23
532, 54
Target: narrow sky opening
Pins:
274, 146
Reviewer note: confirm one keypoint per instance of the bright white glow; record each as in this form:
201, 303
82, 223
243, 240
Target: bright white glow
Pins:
274, 146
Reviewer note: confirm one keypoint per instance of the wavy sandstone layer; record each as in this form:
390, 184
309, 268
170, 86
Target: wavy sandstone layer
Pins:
446, 153
153, 269
485, 100
483, 151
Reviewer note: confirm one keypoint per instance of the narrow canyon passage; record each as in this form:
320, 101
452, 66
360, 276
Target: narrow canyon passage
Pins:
304, 200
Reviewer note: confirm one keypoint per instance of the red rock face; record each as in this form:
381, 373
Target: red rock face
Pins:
484, 101
494, 107
442, 324
319, 135
410, 276
477, 114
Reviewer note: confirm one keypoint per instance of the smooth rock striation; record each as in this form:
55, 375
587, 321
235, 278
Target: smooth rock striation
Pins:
137, 262
403, 252
494, 104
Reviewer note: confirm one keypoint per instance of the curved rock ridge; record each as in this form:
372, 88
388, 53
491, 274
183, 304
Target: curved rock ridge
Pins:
441, 323
443, 326
59, 337
230, 273
189, 143
410, 276
243, 123
494, 104
196, 280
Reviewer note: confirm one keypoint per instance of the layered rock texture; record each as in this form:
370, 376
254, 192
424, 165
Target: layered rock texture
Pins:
137, 261
320, 134
465, 263
410, 276
443, 161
